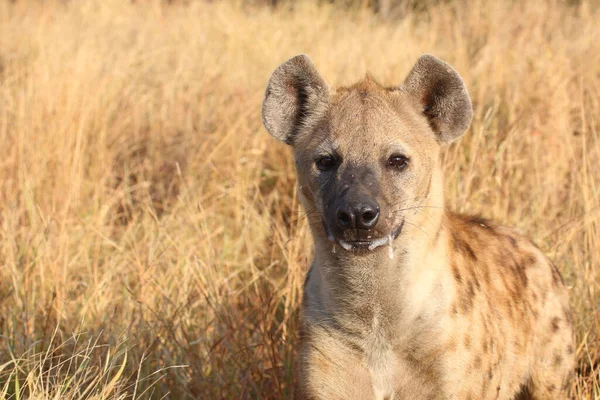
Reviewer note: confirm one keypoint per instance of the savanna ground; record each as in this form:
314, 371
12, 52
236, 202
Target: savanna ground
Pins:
152, 244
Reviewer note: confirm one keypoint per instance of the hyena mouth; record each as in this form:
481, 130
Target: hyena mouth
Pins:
370, 244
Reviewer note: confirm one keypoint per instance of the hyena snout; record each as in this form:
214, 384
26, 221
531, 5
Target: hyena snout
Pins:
357, 212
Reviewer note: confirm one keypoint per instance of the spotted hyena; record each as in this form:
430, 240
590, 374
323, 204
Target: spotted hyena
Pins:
406, 299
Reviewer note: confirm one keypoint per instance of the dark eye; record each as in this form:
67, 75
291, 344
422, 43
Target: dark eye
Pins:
326, 163
398, 162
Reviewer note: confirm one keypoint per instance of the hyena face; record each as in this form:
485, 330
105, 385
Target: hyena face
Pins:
366, 154
368, 158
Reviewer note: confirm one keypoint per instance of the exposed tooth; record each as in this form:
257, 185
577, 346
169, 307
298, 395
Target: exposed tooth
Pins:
378, 242
333, 249
345, 245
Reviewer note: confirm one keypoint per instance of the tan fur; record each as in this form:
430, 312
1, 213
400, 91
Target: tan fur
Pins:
455, 307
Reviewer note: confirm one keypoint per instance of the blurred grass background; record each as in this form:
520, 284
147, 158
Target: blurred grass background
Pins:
152, 245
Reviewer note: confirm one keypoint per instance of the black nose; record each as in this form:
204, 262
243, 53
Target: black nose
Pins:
358, 215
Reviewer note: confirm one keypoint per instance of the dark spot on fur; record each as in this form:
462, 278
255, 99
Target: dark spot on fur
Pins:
557, 359
513, 242
554, 323
519, 272
534, 295
568, 313
551, 387
356, 348
463, 247
456, 272
490, 374
523, 277
465, 303
451, 345
509, 308
486, 275
470, 289
364, 312
467, 341
524, 392
477, 362
570, 349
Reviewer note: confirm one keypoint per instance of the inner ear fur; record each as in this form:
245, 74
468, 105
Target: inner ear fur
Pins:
295, 96
442, 96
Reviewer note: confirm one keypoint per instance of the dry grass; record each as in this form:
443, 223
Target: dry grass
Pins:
151, 242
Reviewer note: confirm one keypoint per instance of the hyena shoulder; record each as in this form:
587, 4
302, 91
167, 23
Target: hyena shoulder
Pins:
510, 304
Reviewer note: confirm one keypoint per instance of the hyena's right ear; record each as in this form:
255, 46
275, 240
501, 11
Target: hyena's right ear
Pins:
295, 96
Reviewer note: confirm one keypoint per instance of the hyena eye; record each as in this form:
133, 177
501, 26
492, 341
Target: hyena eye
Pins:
326, 163
398, 162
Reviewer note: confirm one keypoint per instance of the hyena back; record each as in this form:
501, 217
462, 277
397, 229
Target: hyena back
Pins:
405, 299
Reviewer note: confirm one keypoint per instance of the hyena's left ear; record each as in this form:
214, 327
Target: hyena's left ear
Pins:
441, 95
295, 96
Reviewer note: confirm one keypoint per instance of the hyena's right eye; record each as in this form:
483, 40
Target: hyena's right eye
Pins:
325, 163
398, 162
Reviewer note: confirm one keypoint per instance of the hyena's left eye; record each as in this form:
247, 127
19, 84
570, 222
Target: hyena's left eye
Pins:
398, 161
326, 163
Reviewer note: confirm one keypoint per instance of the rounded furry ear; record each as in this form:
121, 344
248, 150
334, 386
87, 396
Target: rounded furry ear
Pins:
442, 96
295, 95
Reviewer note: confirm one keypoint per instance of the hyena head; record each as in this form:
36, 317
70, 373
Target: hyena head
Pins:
367, 156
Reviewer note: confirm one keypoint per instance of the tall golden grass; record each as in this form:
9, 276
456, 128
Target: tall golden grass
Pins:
152, 245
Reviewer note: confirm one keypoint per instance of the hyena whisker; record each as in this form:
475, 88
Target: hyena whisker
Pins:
418, 211
418, 227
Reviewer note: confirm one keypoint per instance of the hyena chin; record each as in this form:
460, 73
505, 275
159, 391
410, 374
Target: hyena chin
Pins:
405, 299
